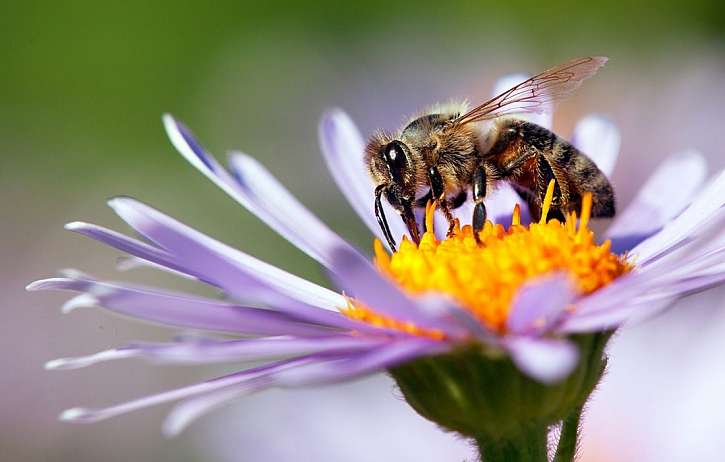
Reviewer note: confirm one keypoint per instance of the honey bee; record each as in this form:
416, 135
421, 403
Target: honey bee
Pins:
447, 153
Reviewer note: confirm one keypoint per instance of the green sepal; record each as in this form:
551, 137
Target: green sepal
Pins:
483, 395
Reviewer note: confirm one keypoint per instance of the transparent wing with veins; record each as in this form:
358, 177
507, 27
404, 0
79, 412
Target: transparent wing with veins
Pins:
533, 94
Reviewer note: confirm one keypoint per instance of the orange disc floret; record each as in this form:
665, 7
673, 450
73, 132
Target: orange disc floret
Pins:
484, 276
357, 311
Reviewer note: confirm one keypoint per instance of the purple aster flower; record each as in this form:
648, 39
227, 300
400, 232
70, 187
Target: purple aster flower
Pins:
539, 327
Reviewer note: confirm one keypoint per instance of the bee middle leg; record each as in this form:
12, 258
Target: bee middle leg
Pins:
438, 193
479, 194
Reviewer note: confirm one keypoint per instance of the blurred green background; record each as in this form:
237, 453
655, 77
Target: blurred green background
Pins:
83, 85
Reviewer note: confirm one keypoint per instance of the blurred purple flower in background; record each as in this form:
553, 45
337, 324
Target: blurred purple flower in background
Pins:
673, 236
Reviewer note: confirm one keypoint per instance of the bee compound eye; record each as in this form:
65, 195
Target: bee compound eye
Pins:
395, 159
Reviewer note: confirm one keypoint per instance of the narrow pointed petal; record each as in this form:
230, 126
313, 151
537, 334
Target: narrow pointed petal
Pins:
290, 219
323, 371
546, 360
651, 300
540, 304
658, 201
363, 282
599, 139
126, 244
242, 281
186, 412
214, 351
707, 203
642, 295
612, 318
273, 203
208, 351
127, 263
343, 150
346, 368
182, 310
234, 271
85, 361
243, 378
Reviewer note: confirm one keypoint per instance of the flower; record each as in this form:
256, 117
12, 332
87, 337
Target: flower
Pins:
412, 312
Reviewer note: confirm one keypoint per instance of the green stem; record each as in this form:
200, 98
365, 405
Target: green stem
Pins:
569, 439
529, 446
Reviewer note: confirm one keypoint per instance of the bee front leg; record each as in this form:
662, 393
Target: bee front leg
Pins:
479, 194
438, 191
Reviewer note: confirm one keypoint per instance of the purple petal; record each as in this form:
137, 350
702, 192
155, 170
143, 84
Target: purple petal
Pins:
599, 139
256, 190
657, 202
649, 303
347, 368
126, 244
212, 351
186, 412
270, 201
644, 295
243, 378
252, 290
500, 205
702, 209
540, 304
363, 282
234, 271
207, 351
128, 262
343, 149
601, 320
181, 310
317, 372
85, 361
546, 360
695, 266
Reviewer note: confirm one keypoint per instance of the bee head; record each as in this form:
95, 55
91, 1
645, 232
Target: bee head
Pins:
393, 169
391, 164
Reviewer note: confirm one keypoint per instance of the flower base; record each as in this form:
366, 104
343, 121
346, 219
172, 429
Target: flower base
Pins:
484, 396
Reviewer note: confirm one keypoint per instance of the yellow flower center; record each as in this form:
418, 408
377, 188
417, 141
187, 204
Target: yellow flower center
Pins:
484, 277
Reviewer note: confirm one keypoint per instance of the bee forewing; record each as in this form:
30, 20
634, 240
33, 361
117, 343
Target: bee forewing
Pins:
537, 93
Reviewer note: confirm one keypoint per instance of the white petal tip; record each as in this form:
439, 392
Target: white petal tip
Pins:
79, 415
75, 225
121, 202
548, 361
81, 301
173, 428
41, 284
169, 123
58, 364
333, 113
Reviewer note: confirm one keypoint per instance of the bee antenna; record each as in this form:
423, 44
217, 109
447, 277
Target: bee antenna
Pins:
380, 215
